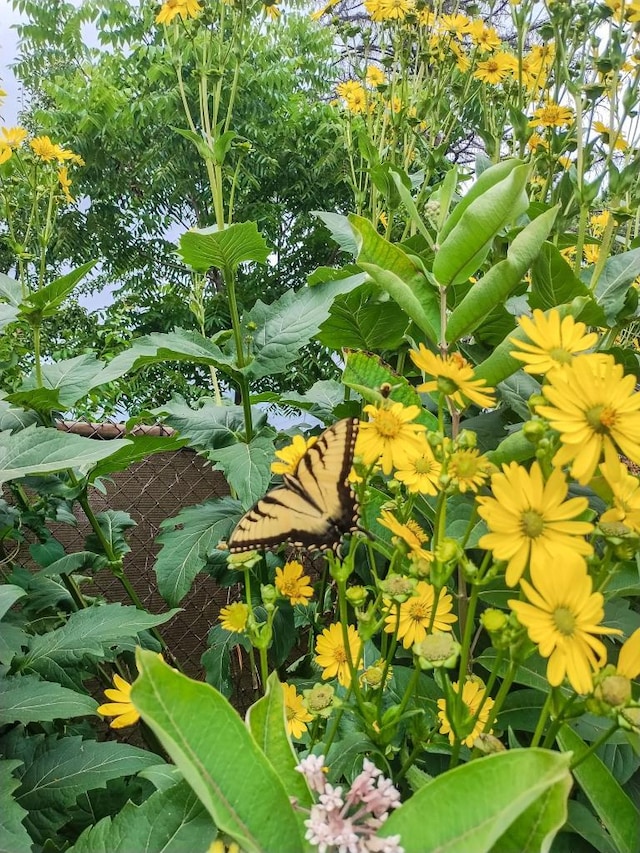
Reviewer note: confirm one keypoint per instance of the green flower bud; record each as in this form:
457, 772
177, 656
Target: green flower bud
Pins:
494, 621
357, 595
269, 594
534, 430
438, 649
320, 700
398, 587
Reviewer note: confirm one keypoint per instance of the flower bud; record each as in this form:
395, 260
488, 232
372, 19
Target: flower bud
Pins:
436, 650
488, 744
493, 620
372, 676
320, 700
356, 596
534, 430
243, 561
466, 440
269, 595
398, 587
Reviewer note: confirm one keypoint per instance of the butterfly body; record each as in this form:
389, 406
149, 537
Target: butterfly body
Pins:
314, 507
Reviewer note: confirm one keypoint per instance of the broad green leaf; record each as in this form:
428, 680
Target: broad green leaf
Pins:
10, 290
320, 400
179, 345
468, 243
554, 283
27, 699
219, 758
280, 330
92, 631
395, 272
209, 426
531, 673
359, 320
534, 830
137, 449
14, 838
226, 249
216, 660
9, 594
496, 791
521, 710
43, 450
113, 523
48, 299
247, 467
616, 277
162, 776
14, 419
585, 824
186, 540
8, 314
171, 821
497, 284
266, 719
12, 641
71, 378
407, 199
340, 229
612, 806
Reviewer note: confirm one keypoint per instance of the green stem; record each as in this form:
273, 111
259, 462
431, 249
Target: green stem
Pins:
578, 759
542, 720
466, 629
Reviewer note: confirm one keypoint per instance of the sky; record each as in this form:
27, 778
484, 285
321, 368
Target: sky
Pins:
8, 51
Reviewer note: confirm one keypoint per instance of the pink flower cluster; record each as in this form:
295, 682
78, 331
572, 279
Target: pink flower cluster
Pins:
348, 824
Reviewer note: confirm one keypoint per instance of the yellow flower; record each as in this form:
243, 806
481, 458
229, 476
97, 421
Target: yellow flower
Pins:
13, 136
331, 654
354, 95
323, 11
562, 618
172, 8
271, 10
626, 495
3, 94
608, 133
591, 252
467, 469
296, 714
599, 222
463, 63
594, 407
629, 658
65, 183
453, 377
44, 148
414, 621
375, 76
426, 17
495, 69
530, 521
553, 342
291, 455
551, 115
5, 153
64, 154
389, 437
234, 617
121, 707
456, 25
420, 471
293, 584
411, 534
473, 692
485, 38
395, 10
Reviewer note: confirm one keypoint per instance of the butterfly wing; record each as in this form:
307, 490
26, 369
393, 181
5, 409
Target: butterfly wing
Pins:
314, 507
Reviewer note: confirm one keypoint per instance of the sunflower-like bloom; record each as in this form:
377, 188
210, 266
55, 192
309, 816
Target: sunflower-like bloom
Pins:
5, 152
453, 377
596, 410
331, 654
375, 76
293, 584
420, 471
234, 617
291, 455
44, 149
563, 617
551, 115
295, 711
552, 342
495, 69
530, 521
473, 691
13, 136
389, 436
172, 8
415, 616
626, 496
468, 469
121, 707
65, 183
411, 534
485, 38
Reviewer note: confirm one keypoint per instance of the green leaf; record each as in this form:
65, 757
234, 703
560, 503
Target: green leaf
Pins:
467, 244
612, 806
162, 776
497, 791
320, 400
170, 821
179, 345
218, 757
266, 719
43, 450
395, 272
537, 826
10, 290
553, 283
217, 659
137, 449
27, 699
113, 523
9, 594
71, 378
280, 330
585, 824
616, 277
226, 249
8, 314
497, 284
340, 229
247, 467
92, 631
48, 299
13, 419
358, 320
186, 540
209, 426
14, 838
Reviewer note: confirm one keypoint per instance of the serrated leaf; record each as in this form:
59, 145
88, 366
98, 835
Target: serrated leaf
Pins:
72, 562
137, 449
320, 400
162, 776
246, 467
112, 523
359, 320
43, 450
10, 290
14, 838
48, 299
171, 821
340, 229
27, 699
9, 594
218, 757
203, 248
72, 378
185, 541
216, 660
12, 418
208, 426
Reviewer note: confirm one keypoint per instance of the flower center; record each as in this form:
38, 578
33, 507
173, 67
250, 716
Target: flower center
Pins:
464, 466
565, 621
492, 65
447, 386
561, 355
340, 655
601, 419
387, 425
532, 523
419, 611
423, 465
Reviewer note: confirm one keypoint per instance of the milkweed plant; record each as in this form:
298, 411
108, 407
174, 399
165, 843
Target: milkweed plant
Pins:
461, 669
